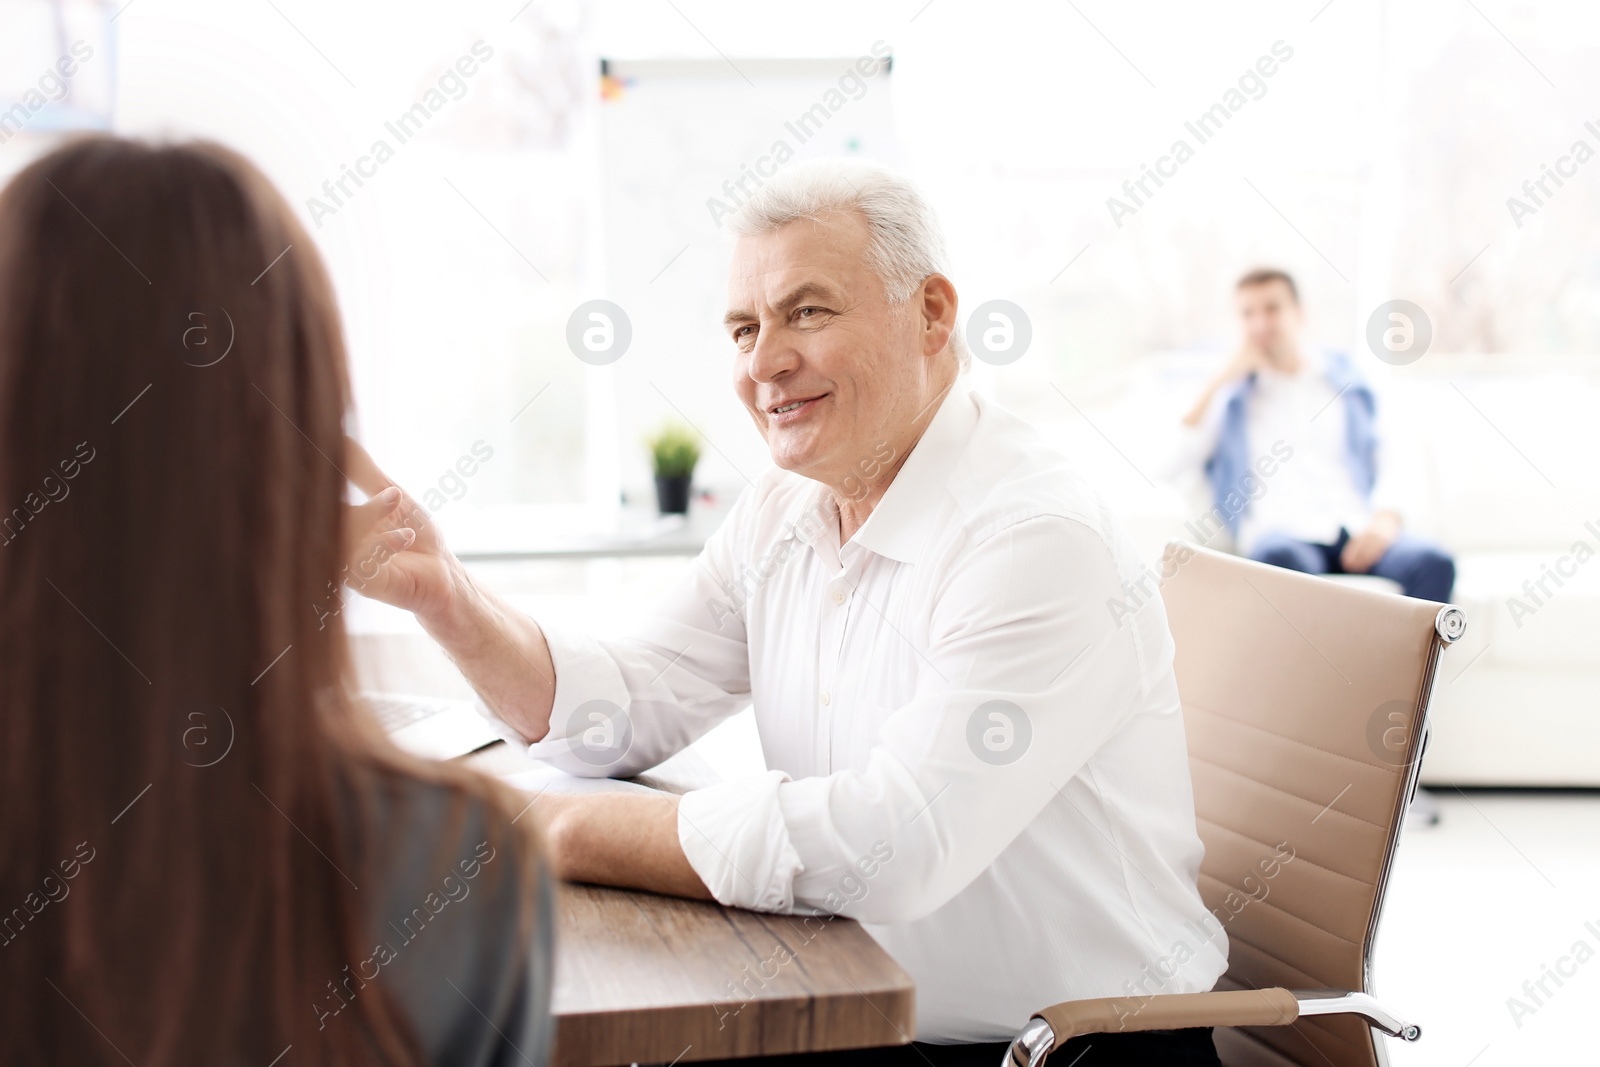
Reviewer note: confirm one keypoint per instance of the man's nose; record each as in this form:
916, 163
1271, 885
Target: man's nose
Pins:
772, 358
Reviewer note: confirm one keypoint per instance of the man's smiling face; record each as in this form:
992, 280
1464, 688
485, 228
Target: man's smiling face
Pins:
826, 366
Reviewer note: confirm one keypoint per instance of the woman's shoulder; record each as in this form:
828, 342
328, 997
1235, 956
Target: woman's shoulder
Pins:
461, 921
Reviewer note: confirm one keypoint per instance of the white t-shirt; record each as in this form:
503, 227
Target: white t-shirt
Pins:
1311, 495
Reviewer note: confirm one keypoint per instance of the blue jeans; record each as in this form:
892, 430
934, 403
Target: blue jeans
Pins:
1423, 570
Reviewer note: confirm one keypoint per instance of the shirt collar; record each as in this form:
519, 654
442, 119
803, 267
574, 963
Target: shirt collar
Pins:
897, 527
814, 522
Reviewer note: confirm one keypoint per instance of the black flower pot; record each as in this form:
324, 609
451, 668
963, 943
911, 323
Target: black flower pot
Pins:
672, 494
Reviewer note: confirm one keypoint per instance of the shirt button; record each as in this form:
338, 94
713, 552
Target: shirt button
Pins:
838, 597
825, 697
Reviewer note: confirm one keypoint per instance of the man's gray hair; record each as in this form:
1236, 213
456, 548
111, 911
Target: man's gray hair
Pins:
904, 243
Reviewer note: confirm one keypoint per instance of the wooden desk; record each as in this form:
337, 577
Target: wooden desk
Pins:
643, 978
652, 979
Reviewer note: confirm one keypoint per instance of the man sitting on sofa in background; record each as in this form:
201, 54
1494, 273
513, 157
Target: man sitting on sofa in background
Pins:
1330, 510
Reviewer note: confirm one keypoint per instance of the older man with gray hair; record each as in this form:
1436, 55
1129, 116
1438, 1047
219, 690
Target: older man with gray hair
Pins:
966, 752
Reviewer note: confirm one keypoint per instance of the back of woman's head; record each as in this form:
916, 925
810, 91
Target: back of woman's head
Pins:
176, 739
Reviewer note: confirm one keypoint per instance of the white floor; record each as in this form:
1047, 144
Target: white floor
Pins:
1498, 891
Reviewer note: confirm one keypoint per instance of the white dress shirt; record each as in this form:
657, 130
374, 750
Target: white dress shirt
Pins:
967, 752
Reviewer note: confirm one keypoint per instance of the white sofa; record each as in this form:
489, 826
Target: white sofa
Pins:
1517, 489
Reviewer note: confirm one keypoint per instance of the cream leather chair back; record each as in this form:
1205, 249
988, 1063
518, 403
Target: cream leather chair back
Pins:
1305, 703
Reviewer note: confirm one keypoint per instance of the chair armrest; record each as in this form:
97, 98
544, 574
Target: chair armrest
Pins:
1050, 1028
1172, 1011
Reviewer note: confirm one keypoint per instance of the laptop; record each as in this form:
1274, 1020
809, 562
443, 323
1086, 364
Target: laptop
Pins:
431, 727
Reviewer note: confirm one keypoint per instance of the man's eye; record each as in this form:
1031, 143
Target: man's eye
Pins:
808, 312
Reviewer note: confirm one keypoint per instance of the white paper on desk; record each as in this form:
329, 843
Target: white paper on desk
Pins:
546, 778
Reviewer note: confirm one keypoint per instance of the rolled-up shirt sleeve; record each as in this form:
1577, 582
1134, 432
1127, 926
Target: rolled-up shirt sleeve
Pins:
1027, 674
737, 839
624, 704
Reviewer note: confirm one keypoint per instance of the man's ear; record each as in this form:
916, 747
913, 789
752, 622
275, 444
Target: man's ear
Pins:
938, 297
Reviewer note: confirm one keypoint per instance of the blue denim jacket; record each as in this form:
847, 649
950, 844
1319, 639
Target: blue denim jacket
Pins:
1229, 462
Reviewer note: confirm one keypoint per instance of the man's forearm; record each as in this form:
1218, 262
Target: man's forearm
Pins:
502, 653
1195, 414
1388, 519
620, 839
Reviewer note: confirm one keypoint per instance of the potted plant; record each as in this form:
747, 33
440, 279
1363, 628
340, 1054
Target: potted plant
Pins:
674, 451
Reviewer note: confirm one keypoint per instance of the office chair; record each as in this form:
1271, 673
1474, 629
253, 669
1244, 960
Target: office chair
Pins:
1305, 704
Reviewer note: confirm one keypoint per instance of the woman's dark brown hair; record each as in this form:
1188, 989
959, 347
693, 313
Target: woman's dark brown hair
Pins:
186, 782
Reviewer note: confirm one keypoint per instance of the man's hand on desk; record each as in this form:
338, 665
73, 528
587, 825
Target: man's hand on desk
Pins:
395, 555
628, 840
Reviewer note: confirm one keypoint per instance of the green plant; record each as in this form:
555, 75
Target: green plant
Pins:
674, 451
